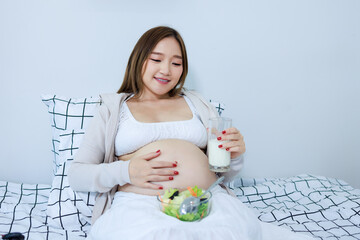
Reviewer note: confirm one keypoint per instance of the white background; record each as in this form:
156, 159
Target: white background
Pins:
288, 72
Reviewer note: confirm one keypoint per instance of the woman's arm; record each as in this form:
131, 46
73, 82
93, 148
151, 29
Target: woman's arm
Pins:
88, 172
236, 145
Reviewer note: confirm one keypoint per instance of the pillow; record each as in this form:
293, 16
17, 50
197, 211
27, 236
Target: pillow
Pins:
66, 208
67, 114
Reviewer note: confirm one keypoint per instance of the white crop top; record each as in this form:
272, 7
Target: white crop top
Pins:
132, 134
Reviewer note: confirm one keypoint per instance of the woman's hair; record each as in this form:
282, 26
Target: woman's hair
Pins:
133, 82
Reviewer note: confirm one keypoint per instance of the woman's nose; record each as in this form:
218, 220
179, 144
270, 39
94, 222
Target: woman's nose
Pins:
165, 69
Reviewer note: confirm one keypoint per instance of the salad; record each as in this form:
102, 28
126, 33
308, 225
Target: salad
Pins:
172, 198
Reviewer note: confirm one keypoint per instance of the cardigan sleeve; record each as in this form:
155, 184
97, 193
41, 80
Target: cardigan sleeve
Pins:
236, 165
88, 172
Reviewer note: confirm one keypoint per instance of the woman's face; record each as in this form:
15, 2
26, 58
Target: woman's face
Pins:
163, 69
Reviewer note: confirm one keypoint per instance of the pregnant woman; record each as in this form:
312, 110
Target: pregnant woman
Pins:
151, 136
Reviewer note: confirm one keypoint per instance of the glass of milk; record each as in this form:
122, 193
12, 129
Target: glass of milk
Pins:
219, 159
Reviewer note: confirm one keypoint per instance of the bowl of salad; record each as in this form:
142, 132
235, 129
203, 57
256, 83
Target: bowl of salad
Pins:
170, 202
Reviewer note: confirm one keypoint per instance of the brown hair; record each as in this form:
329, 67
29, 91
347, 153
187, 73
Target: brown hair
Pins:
132, 82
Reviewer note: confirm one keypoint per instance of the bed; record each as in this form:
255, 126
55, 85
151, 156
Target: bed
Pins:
321, 207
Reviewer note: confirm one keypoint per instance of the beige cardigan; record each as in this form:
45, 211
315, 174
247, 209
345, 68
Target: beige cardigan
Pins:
95, 168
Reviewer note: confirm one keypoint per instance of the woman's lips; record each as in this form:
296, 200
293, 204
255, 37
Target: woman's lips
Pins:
162, 80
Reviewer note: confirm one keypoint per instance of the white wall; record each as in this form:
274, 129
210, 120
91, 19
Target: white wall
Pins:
288, 72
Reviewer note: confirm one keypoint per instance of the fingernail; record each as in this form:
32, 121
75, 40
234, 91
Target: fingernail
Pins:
174, 165
220, 146
227, 149
160, 187
171, 178
158, 151
176, 172
223, 132
219, 138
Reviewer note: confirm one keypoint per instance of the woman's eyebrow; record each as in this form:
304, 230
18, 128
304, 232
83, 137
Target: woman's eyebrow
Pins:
161, 54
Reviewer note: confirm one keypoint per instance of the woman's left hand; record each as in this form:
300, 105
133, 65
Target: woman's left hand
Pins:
236, 144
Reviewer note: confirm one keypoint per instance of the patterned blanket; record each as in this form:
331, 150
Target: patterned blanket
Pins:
321, 207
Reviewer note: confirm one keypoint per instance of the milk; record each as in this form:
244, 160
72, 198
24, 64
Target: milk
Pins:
219, 159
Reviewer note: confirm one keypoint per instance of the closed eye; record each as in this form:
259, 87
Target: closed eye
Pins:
177, 64
155, 60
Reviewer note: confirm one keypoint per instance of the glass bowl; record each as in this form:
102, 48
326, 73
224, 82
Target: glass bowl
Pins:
170, 208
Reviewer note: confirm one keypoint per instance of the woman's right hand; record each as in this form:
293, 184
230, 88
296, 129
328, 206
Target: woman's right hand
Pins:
143, 171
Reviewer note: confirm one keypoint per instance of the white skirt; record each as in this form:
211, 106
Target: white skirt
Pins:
135, 216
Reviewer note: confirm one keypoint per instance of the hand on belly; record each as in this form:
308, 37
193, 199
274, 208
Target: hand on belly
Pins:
192, 166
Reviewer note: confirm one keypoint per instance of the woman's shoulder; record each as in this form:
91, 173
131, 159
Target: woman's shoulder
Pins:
203, 107
110, 102
106, 97
192, 94
113, 99
195, 96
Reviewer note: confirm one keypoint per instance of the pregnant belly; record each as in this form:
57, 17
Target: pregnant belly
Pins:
192, 166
